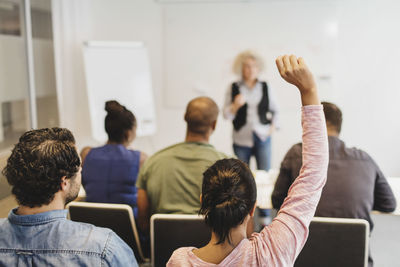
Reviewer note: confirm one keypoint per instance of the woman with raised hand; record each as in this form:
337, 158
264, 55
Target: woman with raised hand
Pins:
252, 107
109, 172
229, 195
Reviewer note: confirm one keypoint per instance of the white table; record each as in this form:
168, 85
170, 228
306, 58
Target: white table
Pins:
395, 185
265, 182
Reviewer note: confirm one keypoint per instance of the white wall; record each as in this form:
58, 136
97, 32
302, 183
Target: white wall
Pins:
363, 58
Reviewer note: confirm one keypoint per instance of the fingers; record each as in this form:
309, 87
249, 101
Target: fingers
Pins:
279, 64
286, 63
293, 61
301, 62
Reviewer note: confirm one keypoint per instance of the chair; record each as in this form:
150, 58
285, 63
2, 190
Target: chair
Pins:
117, 217
169, 232
335, 242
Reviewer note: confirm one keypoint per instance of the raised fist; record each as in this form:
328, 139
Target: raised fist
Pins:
295, 71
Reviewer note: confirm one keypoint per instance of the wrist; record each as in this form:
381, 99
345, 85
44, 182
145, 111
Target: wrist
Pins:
309, 96
234, 109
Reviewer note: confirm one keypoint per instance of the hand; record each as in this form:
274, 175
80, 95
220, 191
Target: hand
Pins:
295, 71
271, 129
239, 101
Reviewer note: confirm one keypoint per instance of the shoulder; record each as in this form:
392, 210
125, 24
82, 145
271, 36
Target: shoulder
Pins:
117, 252
295, 151
213, 152
164, 153
99, 240
142, 158
86, 235
222, 155
180, 257
357, 153
84, 152
167, 150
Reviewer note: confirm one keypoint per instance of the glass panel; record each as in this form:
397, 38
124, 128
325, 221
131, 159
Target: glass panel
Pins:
43, 54
14, 116
10, 22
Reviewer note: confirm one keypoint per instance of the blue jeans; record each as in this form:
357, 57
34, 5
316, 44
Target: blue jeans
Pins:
261, 150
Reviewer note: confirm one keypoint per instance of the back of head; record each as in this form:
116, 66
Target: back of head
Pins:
333, 116
201, 113
228, 195
37, 164
118, 121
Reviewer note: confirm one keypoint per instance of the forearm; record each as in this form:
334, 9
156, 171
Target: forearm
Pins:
289, 230
384, 199
228, 115
143, 210
290, 227
312, 177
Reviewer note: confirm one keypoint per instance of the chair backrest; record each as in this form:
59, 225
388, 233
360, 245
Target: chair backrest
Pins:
117, 217
169, 232
334, 242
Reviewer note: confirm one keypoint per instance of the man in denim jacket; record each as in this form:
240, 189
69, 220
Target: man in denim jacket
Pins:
44, 172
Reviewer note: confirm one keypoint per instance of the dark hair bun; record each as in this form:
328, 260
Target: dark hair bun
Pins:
118, 121
228, 195
113, 107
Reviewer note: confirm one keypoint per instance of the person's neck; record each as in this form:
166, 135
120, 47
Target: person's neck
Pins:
250, 83
125, 143
56, 204
216, 253
199, 138
332, 132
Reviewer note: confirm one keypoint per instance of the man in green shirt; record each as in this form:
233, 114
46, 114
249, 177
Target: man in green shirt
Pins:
170, 181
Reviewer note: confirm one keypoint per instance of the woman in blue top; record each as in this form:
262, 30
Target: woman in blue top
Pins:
109, 172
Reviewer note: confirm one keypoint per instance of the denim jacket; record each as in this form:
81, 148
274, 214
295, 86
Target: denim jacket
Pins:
49, 239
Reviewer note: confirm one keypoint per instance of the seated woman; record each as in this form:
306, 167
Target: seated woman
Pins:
229, 195
109, 172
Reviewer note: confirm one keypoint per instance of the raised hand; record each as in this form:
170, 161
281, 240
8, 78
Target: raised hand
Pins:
295, 71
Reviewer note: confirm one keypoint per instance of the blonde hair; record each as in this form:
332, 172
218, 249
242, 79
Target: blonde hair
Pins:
238, 63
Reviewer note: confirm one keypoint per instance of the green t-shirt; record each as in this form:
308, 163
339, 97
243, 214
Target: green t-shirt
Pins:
173, 177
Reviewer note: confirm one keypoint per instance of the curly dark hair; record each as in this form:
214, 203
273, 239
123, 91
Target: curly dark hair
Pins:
228, 194
118, 121
37, 164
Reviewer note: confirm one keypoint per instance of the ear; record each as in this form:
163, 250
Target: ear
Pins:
214, 125
201, 198
127, 135
253, 210
64, 183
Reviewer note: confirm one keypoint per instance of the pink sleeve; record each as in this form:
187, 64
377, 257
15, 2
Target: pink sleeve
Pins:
283, 239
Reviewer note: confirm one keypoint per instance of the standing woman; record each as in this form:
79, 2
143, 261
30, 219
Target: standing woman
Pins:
253, 110
109, 172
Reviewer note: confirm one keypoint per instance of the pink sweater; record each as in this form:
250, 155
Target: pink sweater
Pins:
279, 243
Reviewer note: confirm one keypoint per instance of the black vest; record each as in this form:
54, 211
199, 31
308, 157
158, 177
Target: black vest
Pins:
263, 107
